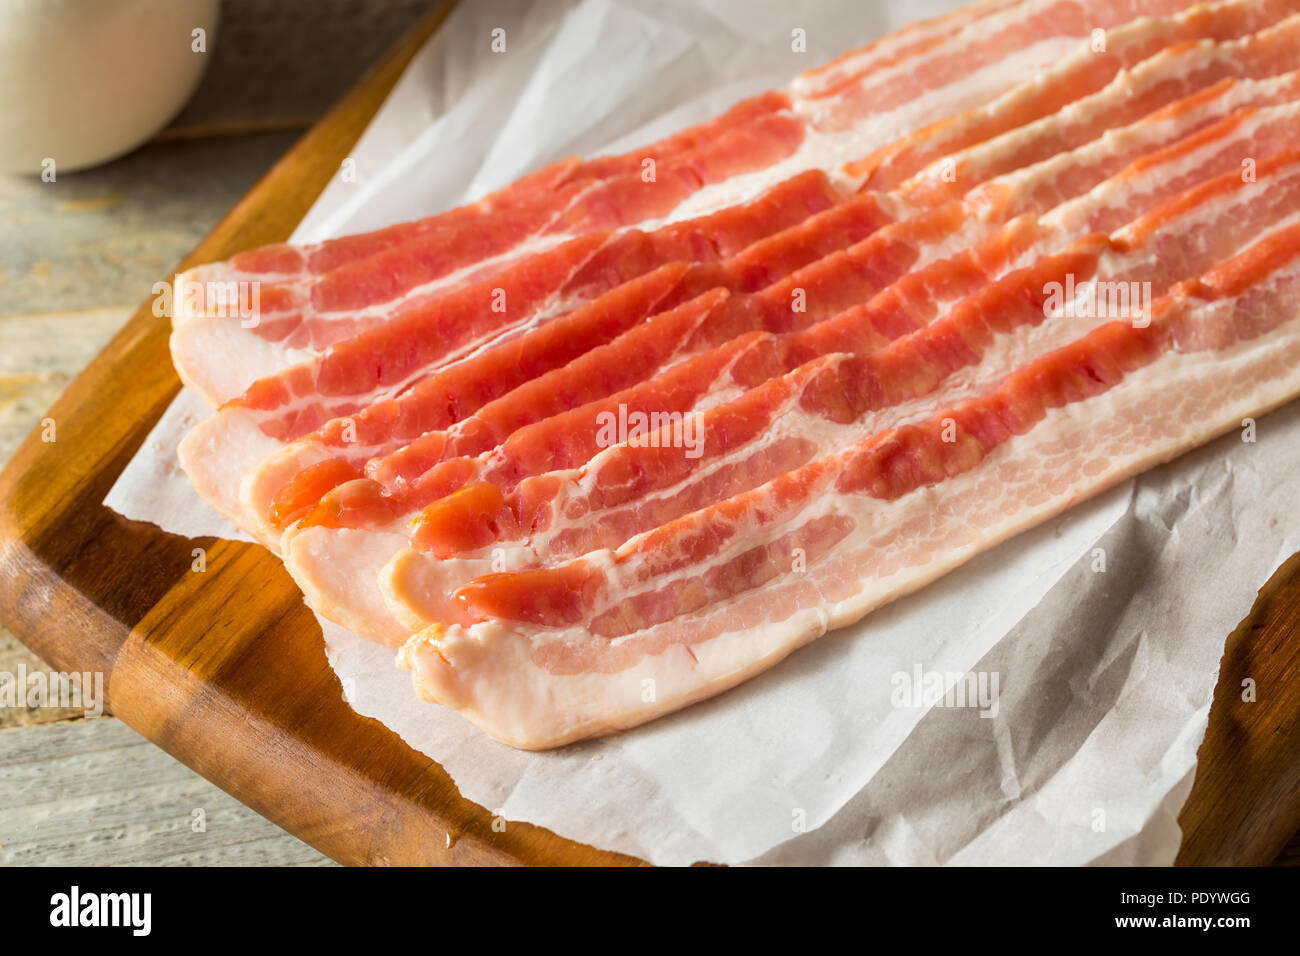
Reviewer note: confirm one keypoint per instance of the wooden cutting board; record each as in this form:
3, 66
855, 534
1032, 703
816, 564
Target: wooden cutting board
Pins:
225, 668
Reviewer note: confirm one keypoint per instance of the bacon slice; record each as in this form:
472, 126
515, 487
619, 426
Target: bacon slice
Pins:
847, 389
1029, 36
282, 261
704, 602
851, 68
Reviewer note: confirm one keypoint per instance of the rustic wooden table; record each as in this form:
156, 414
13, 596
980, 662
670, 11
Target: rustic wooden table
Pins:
76, 258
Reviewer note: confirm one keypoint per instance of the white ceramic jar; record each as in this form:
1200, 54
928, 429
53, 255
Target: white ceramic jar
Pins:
84, 81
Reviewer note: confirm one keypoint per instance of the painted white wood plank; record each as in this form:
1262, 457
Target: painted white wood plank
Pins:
94, 792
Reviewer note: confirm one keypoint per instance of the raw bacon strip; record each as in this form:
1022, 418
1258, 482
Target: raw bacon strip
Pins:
751, 233
657, 344
619, 200
526, 288
1172, 74
881, 108
308, 311
283, 260
1084, 74
385, 361
701, 604
446, 398
631, 198
583, 268
851, 68
843, 393
1029, 36
1221, 110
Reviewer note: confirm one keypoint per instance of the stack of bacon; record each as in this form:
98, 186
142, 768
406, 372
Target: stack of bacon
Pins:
841, 310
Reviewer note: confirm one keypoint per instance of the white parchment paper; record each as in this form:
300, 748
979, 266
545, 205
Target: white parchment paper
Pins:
1104, 677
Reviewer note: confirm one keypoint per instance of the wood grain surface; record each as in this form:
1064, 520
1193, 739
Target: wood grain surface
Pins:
91, 792
225, 668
